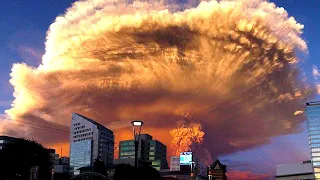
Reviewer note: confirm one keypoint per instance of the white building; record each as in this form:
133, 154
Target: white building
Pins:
301, 171
89, 141
175, 163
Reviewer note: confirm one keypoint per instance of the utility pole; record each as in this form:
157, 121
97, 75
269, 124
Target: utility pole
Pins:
137, 125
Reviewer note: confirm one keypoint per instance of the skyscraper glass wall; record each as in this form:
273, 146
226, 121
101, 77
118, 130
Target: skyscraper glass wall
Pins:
89, 141
313, 115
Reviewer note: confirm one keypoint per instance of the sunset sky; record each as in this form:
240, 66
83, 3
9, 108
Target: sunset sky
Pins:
254, 127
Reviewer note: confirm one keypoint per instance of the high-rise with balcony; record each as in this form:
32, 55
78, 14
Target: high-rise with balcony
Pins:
313, 115
89, 141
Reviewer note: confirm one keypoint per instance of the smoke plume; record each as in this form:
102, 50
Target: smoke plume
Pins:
188, 136
316, 75
185, 137
232, 64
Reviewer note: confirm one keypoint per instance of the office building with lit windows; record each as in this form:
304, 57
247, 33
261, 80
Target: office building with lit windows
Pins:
313, 115
89, 141
151, 152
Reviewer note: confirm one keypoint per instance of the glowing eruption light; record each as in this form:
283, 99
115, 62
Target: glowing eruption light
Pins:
232, 64
187, 136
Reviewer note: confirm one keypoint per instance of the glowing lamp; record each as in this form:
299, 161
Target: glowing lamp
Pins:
137, 123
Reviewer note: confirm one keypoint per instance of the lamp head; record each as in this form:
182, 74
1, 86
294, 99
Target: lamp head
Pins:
137, 123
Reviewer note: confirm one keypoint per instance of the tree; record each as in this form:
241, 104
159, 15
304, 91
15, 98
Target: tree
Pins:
100, 167
17, 158
126, 171
148, 173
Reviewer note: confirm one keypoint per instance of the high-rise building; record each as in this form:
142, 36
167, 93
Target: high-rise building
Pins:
313, 115
149, 151
89, 141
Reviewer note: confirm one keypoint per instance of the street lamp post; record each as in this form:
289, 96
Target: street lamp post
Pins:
137, 125
192, 166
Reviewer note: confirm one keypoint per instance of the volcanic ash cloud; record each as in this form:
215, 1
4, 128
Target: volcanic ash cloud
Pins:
232, 64
316, 76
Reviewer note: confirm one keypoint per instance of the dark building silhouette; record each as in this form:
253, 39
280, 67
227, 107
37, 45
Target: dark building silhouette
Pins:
217, 171
4, 140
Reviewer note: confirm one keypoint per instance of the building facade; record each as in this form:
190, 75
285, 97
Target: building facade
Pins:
301, 171
313, 116
175, 163
217, 171
54, 156
150, 152
63, 166
89, 141
64, 160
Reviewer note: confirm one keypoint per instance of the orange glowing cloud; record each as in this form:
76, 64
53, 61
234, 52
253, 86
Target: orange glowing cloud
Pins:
231, 64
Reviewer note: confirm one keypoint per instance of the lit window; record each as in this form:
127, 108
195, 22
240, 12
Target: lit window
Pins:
316, 170
315, 154
315, 145
315, 150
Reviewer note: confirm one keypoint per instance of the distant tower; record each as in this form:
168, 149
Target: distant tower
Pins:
89, 141
217, 171
313, 116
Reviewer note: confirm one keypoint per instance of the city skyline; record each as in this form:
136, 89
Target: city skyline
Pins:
160, 104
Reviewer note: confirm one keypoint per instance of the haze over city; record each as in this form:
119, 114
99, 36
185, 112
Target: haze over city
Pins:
227, 79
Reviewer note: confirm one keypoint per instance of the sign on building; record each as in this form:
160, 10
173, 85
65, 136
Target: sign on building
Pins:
185, 158
34, 173
175, 163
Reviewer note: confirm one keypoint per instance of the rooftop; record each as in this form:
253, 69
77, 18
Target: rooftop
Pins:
94, 122
314, 103
294, 169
